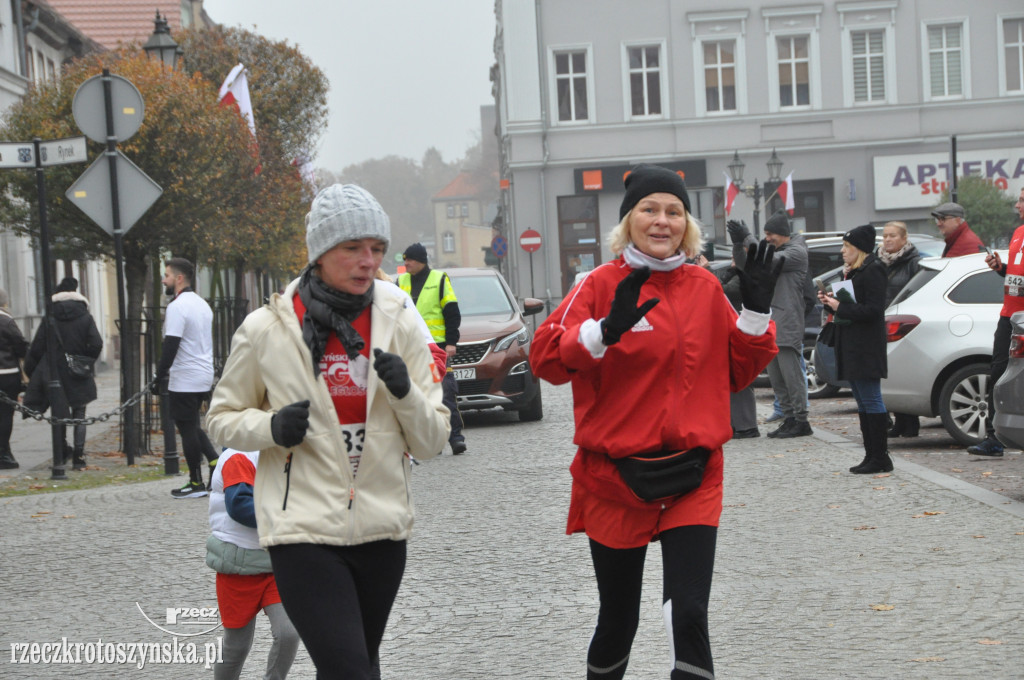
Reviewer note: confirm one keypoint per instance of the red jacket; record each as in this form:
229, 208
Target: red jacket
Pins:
664, 386
1013, 284
963, 241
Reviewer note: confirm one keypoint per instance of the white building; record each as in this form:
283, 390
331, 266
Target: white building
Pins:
859, 100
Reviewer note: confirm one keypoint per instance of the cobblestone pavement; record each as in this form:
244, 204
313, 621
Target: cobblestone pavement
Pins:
819, 573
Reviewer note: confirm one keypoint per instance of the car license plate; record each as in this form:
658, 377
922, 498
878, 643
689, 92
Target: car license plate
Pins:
464, 373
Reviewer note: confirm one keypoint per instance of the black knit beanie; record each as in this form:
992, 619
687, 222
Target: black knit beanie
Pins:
778, 224
862, 238
644, 180
416, 252
67, 285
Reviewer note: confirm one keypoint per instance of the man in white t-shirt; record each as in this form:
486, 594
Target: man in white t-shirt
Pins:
187, 360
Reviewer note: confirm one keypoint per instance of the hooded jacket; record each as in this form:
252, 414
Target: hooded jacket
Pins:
860, 345
900, 271
963, 241
308, 493
79, 335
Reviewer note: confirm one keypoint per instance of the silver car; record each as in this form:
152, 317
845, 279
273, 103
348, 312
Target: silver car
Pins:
939, 331
1009, 391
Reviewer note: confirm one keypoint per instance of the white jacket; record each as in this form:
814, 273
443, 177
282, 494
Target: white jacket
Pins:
307, 494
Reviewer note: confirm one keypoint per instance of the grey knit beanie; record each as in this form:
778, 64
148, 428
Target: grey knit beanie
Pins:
344, 212
778, 224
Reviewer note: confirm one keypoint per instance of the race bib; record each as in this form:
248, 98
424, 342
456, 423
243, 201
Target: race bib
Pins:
354, 434
1013, 285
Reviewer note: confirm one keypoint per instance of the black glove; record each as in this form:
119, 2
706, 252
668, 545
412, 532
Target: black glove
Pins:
737, 230
289, 425
758, 277
624, 312
393, 371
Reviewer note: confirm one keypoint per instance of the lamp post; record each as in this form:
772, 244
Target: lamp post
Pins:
756, 191
161, 45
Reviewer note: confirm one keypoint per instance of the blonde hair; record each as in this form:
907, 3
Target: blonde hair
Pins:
693, 238
382, 275
900, 227
861, 255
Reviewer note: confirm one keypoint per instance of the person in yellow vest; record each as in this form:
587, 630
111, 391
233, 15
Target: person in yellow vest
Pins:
435, 300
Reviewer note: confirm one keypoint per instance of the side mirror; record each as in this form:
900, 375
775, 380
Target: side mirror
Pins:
532, 305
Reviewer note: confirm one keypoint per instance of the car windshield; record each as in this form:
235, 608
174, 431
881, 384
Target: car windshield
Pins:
920, 279
481, 296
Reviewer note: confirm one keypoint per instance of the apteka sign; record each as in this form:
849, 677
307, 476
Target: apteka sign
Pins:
917, 180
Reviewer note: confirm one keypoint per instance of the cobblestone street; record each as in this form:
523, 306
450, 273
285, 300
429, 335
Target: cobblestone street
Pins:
819, 573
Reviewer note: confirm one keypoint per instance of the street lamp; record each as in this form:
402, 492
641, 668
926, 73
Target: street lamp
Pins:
755, 191
161, 45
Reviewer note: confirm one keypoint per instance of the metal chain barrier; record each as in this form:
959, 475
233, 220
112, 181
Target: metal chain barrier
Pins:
103, 417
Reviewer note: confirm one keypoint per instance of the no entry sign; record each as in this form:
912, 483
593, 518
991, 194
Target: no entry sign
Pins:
529, 240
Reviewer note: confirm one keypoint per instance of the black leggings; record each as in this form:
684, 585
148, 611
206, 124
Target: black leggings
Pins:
339, 599
688, 561
184, 410
1000, 360
10, 384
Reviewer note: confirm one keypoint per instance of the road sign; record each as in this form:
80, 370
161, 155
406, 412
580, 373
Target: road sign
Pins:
136, 192
62, 151
529, 240
17, 155
89, 109
499, 246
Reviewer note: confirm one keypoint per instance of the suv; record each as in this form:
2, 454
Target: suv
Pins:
491, 363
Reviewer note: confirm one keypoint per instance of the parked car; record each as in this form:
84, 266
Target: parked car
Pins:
491, 363
939, 331
1009, 391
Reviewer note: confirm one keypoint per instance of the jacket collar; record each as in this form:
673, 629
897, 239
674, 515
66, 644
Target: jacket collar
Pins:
70, 296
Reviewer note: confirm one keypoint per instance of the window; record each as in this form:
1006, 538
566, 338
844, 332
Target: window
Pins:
868, 65
571, 89
720, 75
794, 71
1011, 53
945, 61
448, 242
451, 210
464, 210
30, 64
719, 61
643, 69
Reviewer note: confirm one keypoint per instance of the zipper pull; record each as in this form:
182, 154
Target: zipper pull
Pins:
288, 463
351, 495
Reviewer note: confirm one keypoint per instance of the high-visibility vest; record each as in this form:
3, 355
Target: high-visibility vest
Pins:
432, 300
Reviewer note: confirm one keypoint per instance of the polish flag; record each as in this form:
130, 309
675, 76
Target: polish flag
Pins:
785, 192
235, 91
731, 192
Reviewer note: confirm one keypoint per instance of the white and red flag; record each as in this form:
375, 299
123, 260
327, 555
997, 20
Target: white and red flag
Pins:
731, 192
235, 91
785, 192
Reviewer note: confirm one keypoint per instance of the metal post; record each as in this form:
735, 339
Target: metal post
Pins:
54, 392
757, 209
129, 431
532, 293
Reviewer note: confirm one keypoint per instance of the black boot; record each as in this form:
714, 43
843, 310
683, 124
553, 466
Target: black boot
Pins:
913, 428
876, 445
78, 459
900, 425
865, 436
7, 461
67, 453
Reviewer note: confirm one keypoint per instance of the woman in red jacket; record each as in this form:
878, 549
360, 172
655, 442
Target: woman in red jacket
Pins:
653, 349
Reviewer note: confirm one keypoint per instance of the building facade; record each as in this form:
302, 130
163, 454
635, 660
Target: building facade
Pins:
859, 100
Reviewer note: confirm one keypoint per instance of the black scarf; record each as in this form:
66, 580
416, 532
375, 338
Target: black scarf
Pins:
330, 310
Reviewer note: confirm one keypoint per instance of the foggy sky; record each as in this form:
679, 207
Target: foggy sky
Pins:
404, 75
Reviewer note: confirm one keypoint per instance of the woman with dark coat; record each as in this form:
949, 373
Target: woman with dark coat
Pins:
78, 335
860, 342
12, 350
902, 260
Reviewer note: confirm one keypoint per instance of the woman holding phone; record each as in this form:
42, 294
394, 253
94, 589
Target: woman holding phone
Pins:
860, 342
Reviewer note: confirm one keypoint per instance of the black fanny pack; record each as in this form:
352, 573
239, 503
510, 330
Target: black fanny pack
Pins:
663, 474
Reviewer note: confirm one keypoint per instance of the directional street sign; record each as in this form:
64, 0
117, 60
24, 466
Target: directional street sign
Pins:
89, 109
62, 151
136, 192
17, 155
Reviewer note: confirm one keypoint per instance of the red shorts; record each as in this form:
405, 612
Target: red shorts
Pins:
240, 597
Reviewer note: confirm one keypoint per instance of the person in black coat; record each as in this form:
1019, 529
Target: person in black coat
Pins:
902, 260
77, 335
859, 323
12, 350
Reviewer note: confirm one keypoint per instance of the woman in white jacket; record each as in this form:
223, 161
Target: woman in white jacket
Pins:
332, 487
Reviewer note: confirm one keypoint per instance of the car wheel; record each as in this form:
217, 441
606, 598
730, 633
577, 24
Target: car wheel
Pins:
816, 388
532, 411
962, 403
